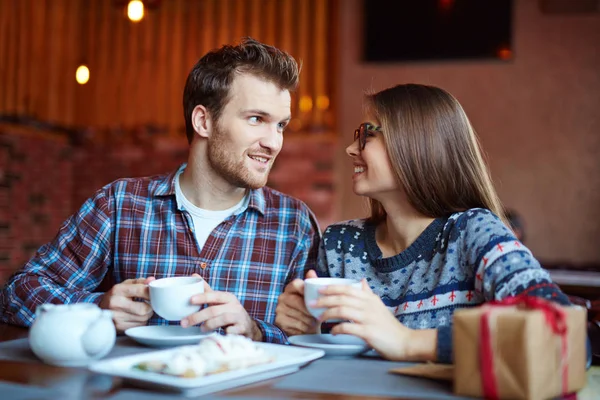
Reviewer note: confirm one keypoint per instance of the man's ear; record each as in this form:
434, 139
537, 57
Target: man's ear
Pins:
201, 121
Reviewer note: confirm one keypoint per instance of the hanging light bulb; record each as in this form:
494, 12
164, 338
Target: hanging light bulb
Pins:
82, 75
135, 10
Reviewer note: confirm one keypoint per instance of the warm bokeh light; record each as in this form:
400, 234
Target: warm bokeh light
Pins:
135, 10
322, 102
445, 5
306, 103
504, 53
82, 75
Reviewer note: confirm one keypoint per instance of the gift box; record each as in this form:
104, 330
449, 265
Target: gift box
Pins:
520, 348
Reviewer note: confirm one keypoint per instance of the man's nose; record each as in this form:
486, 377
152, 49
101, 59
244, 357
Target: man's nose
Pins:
273, 139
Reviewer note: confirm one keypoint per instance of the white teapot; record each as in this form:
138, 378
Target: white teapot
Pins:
71, 335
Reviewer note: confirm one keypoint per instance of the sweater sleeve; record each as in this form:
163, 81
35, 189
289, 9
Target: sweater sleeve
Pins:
322, 262
501, 266
505, 267
444, 344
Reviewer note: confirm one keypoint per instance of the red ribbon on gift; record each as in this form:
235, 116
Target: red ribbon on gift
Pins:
555, 317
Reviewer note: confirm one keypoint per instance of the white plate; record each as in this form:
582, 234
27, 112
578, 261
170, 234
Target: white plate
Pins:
322, 342
287, 359
166, 335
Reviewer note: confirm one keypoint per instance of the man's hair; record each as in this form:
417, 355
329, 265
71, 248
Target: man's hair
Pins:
210, 80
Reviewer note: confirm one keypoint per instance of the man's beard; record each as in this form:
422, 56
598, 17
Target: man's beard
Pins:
233, 171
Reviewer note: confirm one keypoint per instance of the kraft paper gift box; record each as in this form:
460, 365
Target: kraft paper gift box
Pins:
520, 348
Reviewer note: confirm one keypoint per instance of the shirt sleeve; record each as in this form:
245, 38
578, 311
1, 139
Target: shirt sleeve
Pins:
305, 258
65, 270
270, 332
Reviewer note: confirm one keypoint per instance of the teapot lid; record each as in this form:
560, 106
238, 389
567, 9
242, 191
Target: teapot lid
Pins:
68, 307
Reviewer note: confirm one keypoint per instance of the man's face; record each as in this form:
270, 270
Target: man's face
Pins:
249, 133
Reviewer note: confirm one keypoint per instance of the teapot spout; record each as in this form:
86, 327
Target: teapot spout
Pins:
100, 336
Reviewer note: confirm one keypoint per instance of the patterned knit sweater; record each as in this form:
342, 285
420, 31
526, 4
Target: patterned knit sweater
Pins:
457, 262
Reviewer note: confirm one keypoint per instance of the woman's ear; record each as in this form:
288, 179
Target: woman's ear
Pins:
201, 121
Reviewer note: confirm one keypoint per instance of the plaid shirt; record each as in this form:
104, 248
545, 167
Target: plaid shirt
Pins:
132, 228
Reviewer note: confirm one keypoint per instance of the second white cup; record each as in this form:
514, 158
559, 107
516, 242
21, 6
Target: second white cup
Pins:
313, 285
170, 298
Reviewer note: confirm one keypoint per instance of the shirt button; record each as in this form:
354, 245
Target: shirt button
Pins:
203, 265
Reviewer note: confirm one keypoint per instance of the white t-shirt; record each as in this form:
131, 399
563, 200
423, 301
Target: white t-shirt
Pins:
204, 221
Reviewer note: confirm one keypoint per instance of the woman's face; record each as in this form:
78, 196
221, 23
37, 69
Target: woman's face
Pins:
373, 175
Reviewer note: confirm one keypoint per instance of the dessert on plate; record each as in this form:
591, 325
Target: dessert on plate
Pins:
214, 354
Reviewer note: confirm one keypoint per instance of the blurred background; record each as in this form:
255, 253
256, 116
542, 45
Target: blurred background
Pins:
90, 91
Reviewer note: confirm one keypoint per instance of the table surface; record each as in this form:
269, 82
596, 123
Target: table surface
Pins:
50, 377
38, 374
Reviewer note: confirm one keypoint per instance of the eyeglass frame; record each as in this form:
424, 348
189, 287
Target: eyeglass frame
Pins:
363, 132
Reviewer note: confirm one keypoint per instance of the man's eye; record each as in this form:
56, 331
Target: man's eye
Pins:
281, 126
255, 119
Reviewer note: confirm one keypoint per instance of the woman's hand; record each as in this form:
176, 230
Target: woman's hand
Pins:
375, 324
291, 315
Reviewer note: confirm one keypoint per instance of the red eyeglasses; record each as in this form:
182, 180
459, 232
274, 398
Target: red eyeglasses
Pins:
363, 132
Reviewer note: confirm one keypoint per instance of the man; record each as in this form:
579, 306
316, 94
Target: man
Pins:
212, 217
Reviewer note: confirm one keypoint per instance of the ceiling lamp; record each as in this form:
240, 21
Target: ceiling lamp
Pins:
82, 75
135, 10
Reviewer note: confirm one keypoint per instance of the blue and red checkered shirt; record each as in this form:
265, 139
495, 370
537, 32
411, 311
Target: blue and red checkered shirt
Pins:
132, 228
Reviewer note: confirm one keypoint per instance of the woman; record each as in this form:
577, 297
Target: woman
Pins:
435, 241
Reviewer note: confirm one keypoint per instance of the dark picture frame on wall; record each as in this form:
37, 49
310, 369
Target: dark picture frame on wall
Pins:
434, 30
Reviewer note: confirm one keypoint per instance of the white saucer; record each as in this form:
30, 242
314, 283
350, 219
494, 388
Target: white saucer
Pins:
324, 343
166, 335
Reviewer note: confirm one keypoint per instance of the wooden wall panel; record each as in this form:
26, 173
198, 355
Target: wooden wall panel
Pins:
138, 70
9, 59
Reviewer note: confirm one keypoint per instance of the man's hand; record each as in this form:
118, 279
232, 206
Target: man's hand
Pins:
128, 313
291, 314
224, 311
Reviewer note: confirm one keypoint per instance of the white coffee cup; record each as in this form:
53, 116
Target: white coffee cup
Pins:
313, 285
170, 298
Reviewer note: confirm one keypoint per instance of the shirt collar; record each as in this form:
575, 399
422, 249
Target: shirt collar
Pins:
258, 200
165, 186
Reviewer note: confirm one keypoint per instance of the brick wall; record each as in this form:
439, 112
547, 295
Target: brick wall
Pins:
96, 166
36, 182
44, 179
305, 169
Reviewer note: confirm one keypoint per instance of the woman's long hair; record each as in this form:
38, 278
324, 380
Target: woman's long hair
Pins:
433, 150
